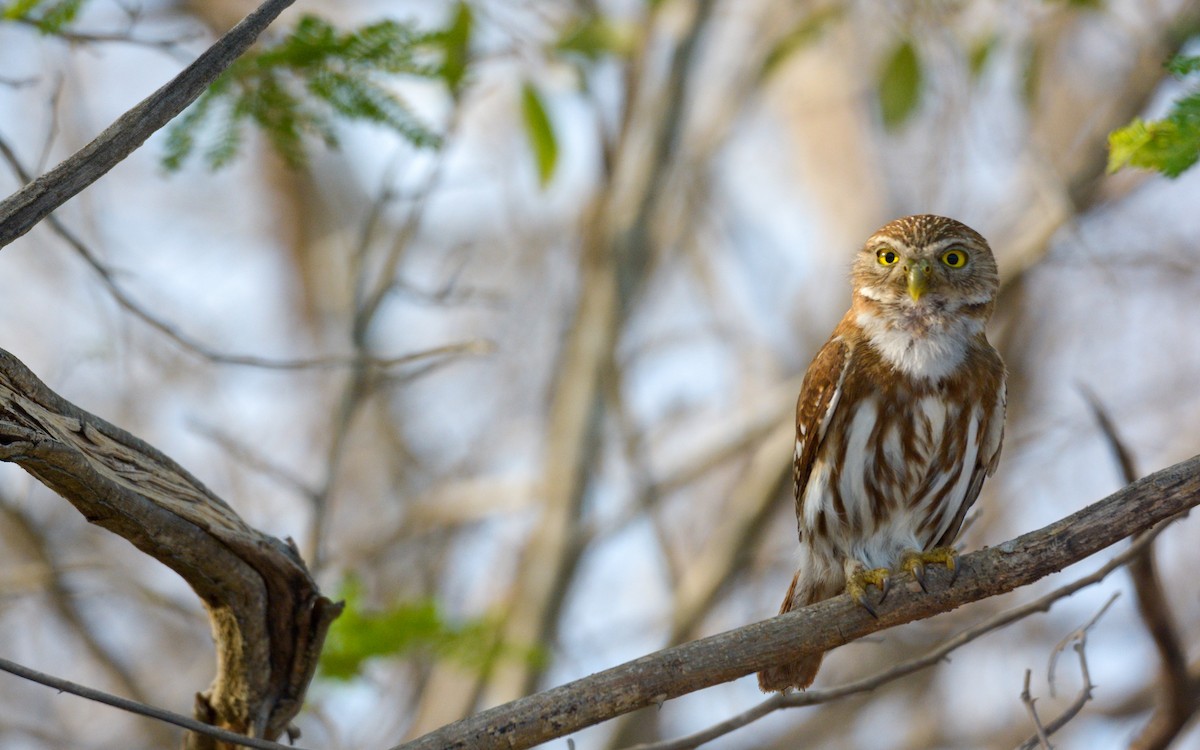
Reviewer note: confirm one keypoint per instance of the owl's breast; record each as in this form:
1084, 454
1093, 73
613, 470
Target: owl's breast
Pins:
893, 471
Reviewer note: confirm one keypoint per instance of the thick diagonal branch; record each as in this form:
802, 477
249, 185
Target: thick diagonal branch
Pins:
34, 202
727, 656
268, 618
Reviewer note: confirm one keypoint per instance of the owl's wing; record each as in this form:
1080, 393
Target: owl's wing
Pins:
987, 459
818, 399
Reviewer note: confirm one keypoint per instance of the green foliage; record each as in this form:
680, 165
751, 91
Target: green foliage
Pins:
411, 627
1182, 66
899, 88
806, 32
1031, 73
455, 41
297, 87
595, 37
980, 53
1170, 145
540, 133
49, 16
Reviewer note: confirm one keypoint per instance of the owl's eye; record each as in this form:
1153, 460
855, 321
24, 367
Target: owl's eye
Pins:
955, 258
887, 257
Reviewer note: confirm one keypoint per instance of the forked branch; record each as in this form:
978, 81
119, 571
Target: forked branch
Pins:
269, 620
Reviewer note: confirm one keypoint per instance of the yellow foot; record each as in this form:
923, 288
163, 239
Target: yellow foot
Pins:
914, 562
857, 580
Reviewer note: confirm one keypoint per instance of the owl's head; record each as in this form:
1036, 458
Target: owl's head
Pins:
927, 262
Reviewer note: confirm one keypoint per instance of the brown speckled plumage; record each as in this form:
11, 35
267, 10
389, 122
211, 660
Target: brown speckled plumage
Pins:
900, 417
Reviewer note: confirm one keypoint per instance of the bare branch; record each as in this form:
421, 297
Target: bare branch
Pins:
1079, 638
1178, 697
268, 618
1075, 636
727, 656
1040, 736
134, 707
32, 203
164, 44
427, 357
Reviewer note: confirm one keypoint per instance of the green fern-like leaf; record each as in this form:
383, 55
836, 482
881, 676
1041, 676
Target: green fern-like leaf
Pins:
302, 86
19, 9
49, 16
181, 134
58, 15
456, 43
1182, 65
1171, 145
360, 98
417, 627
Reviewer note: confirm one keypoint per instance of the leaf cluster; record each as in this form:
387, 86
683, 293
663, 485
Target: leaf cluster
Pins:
1170, 145
296, 88
591, 40
50, 16
360, 634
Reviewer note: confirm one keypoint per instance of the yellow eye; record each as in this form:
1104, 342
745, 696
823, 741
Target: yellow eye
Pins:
887, 257
955, 258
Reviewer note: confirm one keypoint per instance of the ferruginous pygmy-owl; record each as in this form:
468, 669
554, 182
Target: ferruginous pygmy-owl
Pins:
899, 419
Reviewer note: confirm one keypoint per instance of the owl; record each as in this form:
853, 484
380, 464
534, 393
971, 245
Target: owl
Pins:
899, 420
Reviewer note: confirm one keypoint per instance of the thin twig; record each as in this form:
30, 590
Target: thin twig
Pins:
1179, 697
254, 460
166, 44
1084, 695
1028, 700
1077, 635
19, 83
134, 707
194, 346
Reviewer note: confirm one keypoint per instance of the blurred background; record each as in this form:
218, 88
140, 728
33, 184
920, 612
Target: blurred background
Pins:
516, 368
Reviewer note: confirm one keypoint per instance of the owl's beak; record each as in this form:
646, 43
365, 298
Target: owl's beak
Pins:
918, 278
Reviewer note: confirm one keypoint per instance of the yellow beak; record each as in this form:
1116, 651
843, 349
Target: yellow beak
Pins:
918, 278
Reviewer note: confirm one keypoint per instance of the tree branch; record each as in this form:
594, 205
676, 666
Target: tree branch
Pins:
1178, 697
905, 668
268, 618
1078, 639
676, 671
32, 203
135, 707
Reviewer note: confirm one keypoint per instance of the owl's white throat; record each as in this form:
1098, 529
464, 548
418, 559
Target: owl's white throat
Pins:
920, 342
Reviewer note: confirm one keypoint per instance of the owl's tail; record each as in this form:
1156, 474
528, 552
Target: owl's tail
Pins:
798, 674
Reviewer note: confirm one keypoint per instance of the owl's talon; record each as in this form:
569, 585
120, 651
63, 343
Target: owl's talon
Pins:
918, 572
859, 578
865, 604
914, 562
952, 565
